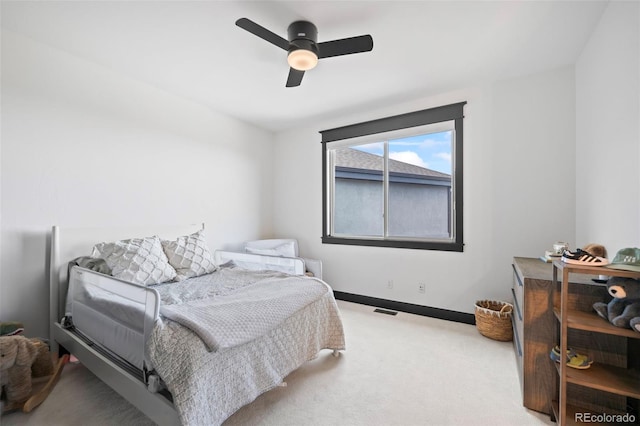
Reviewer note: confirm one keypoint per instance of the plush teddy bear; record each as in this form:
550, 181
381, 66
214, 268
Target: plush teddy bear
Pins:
624, 308
17, 354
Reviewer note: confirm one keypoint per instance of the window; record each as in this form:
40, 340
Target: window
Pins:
395, 182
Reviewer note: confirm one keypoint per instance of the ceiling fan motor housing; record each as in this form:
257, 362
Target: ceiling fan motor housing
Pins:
302, 30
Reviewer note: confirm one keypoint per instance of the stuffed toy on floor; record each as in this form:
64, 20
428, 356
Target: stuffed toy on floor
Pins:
17, 354
624, 309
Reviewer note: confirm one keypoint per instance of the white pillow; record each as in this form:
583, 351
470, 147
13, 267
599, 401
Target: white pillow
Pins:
190, 256
283, 250
138, 260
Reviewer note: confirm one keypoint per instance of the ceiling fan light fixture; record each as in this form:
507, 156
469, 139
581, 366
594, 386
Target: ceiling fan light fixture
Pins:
302, 59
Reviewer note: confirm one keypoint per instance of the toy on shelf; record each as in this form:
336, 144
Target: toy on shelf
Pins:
624, 309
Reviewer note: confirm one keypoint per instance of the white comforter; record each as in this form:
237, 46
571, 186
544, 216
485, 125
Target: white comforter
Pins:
234, 317
209, 386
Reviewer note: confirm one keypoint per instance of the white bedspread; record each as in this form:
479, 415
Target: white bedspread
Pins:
232, 319
207, 387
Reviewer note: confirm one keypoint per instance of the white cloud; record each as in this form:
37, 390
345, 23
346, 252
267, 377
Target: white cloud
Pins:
373, 148
443, 156
410, 157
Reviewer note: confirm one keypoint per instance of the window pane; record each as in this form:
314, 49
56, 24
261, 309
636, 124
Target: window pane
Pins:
359, 191
420, 186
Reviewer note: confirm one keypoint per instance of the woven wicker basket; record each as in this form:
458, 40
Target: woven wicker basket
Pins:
493, 319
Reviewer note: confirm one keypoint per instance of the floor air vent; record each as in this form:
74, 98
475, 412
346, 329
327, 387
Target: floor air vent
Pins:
384, 311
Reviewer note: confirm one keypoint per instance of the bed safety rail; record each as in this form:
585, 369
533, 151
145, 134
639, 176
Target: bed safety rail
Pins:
135, 306
289, 265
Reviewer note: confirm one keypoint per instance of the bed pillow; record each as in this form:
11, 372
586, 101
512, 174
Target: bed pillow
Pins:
138, 260
283, 250
190, 256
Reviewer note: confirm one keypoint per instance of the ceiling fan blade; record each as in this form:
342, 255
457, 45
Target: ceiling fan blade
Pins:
263, 33
345, 46
295, 77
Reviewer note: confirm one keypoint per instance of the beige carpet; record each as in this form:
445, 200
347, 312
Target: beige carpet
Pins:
397, 370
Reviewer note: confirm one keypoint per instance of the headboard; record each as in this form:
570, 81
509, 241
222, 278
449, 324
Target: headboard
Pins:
70, 243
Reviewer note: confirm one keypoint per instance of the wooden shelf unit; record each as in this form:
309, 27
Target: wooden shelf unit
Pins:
535, 332
607, 378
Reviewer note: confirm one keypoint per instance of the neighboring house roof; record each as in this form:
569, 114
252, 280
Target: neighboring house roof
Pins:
356, 159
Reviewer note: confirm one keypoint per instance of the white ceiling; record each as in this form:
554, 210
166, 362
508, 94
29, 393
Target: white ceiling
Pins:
194, 50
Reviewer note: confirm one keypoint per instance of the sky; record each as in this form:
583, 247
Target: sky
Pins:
431, 151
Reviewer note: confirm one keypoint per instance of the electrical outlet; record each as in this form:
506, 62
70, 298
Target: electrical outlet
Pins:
390, 284
422, 288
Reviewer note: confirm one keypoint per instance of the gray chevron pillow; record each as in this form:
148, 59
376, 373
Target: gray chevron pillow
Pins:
138, 260
189, 255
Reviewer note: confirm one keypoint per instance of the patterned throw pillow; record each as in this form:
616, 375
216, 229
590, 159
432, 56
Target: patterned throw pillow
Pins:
190, 256
138, 260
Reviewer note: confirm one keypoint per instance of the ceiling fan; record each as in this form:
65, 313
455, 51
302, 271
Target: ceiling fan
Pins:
304, 51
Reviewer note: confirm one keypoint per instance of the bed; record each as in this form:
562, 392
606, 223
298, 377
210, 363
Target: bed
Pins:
196, 348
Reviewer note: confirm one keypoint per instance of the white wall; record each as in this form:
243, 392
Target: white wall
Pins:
518, 195
608, 131
83, 146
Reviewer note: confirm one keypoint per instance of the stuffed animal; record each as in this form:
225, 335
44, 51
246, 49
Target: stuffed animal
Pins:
624, 308
17, 354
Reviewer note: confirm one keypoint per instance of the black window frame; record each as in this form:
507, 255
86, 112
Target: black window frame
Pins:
452, 112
